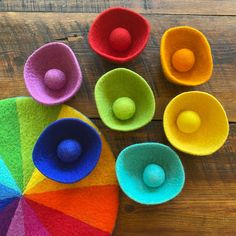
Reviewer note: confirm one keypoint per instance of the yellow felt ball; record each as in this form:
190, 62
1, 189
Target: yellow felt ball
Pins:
183, 60
188, 122
124, 108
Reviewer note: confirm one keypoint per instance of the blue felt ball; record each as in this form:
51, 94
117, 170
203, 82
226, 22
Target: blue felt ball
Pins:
153, 175
69, 150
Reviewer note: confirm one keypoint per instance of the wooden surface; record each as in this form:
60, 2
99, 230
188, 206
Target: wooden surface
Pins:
207, 205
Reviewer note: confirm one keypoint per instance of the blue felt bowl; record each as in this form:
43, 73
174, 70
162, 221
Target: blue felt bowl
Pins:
67, 150
131, 172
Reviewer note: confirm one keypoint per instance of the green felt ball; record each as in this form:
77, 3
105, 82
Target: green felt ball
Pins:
153, 175
124, 108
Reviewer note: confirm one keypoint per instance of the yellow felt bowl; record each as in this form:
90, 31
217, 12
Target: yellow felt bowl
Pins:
213, 130
186, 37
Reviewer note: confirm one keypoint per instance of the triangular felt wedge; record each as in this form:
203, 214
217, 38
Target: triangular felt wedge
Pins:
96, 205
103, 174
6, 192
32, 224
10, 149
5, 202
33, 118
6, 216
53, 220
6, 178
17, 224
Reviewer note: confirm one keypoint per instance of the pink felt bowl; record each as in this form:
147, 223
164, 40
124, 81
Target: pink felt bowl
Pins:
113, 18
52, 56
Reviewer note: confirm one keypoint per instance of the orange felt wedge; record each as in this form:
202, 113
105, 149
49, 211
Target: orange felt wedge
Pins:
185, 37
213, 125
95, 205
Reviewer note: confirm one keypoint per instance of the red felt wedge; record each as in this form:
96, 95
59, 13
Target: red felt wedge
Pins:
119, 34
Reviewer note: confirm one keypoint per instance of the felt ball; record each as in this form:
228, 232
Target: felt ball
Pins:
183, 60
188, 121
55, 79
68, 150
120, 39
124, 108
153, 175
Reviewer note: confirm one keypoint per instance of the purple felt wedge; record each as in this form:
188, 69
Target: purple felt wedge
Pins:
52, 74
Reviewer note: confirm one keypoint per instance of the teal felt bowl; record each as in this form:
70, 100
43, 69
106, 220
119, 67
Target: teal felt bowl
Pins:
150, 173
124, 100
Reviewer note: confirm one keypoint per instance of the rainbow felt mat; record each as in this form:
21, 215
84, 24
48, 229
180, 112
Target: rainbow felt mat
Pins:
30, 203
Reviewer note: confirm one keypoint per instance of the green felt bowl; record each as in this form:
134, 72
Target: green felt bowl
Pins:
122, 82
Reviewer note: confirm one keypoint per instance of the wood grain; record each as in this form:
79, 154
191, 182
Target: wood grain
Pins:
200, 7
22, 33
207, 204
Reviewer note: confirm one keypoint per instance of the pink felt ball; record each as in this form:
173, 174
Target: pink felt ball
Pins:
55, 79
120, 39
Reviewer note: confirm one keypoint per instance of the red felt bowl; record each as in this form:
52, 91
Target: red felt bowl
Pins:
113, 18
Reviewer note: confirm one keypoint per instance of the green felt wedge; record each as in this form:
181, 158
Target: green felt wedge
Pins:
123, 83
10, 149
33, 118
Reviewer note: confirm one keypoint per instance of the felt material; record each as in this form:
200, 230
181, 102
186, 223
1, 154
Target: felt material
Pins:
105, 167
53, 221
186, 37
110, 19
10, 149
6, 178
123, 108
153, 175
6, 192
183, 60
69, 150
120, 39
16, 227
212, 132
45, 150
131, 164
6, 201
33, 119
122, 82
55, 79
103, 176
96, 205
52, 56
32, 224
188, 121
6, 216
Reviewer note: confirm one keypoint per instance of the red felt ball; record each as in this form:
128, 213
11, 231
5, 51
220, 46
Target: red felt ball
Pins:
120, 39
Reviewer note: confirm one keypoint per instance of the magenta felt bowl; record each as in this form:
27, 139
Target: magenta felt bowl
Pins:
52, 74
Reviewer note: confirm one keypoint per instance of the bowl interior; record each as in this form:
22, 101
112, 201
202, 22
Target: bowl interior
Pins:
131, 164
124, 83
119, 17
214, 123
186, 37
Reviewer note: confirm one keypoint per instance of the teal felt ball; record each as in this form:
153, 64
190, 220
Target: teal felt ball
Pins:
153, 175
69, 150
124, 108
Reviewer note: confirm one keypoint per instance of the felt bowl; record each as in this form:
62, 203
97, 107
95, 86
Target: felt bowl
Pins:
124, 83
132, 164
100, 34
52, 74
185, 37
213, 129
47, 153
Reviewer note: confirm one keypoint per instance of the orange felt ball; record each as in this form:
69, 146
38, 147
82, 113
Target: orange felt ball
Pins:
183, 60
120, 39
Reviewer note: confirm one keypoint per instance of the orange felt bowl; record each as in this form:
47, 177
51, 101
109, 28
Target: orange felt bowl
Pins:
110, 19
186, 37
